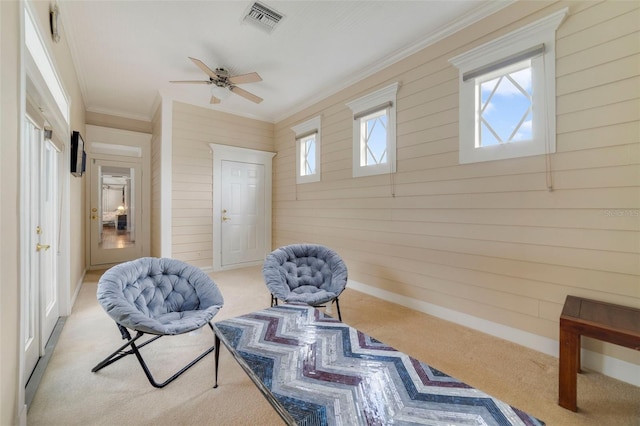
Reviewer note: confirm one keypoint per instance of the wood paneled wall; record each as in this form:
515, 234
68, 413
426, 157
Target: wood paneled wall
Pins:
194, 128
488, 239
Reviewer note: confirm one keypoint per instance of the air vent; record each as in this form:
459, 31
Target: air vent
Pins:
263, 16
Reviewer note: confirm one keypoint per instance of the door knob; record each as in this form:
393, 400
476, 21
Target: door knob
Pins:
224, 218
44, 247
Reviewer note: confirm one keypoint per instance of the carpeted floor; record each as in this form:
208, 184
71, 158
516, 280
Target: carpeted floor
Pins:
70, 394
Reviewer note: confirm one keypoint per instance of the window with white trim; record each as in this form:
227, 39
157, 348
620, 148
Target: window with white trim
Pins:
374, 132
507, 94
308, 151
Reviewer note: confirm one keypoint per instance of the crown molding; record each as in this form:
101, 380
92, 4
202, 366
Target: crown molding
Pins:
479, 13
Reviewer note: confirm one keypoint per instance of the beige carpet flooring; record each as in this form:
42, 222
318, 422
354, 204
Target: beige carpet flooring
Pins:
70, 394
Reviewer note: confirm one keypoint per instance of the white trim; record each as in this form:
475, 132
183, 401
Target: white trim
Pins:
42, 71
118, 113
607, 365
79, 284
126, 143
113, 149
511, 43
166, 177
543, 73
484, 10
233, 153
314, 123
374, 99
23, 257
129, 142
22, 415
55, 102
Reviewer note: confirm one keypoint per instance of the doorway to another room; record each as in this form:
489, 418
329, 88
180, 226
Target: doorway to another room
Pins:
118, 195
116, 208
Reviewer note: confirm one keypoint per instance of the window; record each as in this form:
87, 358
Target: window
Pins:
374, 132
507, 94
43, 74
308, 151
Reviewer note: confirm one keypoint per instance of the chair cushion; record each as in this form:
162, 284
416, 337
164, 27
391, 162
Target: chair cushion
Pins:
307, 273
159, 296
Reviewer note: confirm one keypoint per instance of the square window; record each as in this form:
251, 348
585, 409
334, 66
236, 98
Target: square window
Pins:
507, 94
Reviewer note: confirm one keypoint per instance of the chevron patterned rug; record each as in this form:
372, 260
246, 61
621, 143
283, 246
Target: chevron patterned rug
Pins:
316, 370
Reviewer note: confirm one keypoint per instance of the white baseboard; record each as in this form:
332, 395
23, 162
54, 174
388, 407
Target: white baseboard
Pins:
237, 266
22, 416
75, 294
610, 366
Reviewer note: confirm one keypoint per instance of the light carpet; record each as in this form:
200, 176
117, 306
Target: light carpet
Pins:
120, 394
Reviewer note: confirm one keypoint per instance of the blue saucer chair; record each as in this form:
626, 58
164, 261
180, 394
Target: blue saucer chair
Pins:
156, 297
305, 273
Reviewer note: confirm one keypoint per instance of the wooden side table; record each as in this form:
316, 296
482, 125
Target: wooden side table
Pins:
610, 323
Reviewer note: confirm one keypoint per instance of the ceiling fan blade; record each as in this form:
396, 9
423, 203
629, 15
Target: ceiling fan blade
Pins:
204, 68
214, 100
252, 77
192, 81
245, 94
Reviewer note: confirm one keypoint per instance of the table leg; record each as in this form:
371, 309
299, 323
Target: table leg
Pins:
568, 369
216, 357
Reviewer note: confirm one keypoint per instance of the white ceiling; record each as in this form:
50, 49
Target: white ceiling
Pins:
125, 52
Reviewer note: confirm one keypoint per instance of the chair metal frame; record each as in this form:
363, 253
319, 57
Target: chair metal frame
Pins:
135, 350
274, 302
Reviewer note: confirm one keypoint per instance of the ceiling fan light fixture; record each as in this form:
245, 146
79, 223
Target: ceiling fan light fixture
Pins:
220, 92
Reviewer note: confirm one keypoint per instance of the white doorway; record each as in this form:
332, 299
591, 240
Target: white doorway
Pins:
41, 236
241, 206
118, 195
116, 211
243, 221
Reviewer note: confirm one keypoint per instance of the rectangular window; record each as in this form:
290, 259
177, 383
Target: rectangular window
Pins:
47, 74
505, 106
308, 151
374, 132
507, 94
308, 155
373, 142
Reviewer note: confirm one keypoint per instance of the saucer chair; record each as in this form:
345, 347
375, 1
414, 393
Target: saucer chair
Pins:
157, 297
305, 273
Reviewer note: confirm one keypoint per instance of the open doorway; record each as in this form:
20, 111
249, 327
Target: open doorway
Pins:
117, 208
118, 194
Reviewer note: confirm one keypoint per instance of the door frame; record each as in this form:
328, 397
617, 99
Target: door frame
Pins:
242, 155
98, 255
110, 144
39, 81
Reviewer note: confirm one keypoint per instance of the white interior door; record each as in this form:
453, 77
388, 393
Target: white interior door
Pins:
243, 213
49, 238
41, 237
31, 238
115, 211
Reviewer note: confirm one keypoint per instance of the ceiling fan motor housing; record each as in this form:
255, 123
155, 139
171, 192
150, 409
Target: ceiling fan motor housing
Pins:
222, 72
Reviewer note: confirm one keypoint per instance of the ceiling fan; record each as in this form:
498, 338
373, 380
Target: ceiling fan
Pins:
223, 81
